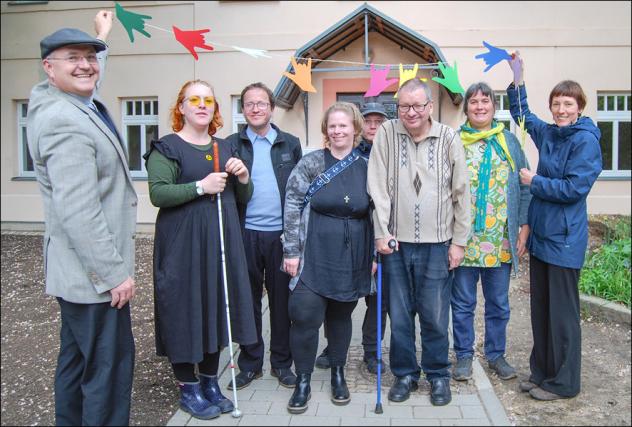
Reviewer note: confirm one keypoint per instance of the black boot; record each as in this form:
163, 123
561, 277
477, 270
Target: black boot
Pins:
302, 393
339, 391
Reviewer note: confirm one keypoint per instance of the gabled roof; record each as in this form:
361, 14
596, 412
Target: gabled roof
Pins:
349, 29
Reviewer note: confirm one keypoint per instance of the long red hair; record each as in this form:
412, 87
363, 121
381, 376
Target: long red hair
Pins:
177, 119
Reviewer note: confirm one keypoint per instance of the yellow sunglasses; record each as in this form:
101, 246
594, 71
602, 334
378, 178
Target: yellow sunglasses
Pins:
196, 101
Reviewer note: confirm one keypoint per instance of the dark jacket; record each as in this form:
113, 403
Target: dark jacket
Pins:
285, 153
569, 164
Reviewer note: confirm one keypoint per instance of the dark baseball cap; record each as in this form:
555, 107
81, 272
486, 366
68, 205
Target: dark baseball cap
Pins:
373, 108
66, 37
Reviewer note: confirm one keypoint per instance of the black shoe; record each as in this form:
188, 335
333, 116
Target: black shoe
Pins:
440, 393
244, 378
322, 361
463, 369
503, 369
401, 388
339, 391
302, 394
285, 376
370, 359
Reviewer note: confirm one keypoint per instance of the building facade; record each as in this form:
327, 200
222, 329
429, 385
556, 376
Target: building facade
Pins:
588, 42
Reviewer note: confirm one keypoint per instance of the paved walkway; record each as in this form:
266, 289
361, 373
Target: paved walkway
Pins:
264, 401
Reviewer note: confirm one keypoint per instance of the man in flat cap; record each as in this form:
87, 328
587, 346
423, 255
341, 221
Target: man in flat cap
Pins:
374, 115
90, 213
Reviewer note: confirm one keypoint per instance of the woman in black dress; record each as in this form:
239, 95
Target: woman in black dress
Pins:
190, 316
327, 249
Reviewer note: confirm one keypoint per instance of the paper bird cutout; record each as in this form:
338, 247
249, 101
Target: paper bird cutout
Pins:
132, 21
379, 82
450, 78
302, 76
191, 40
493, 57
255, 53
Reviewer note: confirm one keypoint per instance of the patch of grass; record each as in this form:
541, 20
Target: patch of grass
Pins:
607, 272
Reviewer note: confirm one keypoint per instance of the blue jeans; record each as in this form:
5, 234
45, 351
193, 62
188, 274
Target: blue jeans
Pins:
419, 284
495, 284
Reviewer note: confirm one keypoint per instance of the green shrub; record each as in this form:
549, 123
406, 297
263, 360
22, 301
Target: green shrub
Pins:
607, 272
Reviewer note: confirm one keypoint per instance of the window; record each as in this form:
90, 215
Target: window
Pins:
140, 126
385, 98
613, 119
25, 161
502, 112
239, 121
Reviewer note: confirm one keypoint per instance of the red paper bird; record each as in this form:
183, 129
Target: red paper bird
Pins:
192, 39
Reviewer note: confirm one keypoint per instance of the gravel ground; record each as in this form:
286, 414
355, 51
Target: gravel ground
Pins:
30, 342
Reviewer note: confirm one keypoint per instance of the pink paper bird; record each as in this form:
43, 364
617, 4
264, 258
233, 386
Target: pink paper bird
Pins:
379, 82
192, 39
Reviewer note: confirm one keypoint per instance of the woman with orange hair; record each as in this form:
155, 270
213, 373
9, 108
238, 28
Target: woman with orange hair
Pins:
190, 317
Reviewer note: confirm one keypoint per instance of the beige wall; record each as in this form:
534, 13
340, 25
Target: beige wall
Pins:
588, 42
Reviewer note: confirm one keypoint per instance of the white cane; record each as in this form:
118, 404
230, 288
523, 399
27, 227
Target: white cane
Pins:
236, 412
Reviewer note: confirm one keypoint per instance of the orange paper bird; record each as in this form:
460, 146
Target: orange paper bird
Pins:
302, 76
192, 39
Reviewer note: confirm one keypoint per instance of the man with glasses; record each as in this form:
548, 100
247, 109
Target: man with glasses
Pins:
270, 155
90, 213
374, 115
418, 180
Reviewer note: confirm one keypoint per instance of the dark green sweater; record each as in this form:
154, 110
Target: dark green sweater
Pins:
163, 174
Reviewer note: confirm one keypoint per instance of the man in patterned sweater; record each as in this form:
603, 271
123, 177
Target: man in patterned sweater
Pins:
418, 180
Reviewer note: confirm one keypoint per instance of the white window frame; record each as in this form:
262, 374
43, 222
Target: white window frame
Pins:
502, 111
141, 120
238, 115
22, 143
614, 116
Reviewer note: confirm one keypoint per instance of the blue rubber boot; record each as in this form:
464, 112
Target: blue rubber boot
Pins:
213, 394
192, 401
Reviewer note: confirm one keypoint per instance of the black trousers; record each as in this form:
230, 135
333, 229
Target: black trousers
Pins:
556, 355
95, 368
264, 253
308, 310
369, 325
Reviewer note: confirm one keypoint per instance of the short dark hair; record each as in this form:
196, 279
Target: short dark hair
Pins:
257, 85
569, 88
475, 88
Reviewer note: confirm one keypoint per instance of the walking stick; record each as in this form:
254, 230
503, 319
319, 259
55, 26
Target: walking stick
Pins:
236, 412
378, 406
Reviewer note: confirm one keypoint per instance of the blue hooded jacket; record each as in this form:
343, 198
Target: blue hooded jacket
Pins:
569, 164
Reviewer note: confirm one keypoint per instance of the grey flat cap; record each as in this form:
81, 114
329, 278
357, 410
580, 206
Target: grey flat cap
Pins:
373, 108
69, 36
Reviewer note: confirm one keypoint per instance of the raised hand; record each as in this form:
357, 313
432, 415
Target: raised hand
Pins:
103, 24
379, 82
132, 21
517, 68
191, 40
450, 78
302, 76
493, 57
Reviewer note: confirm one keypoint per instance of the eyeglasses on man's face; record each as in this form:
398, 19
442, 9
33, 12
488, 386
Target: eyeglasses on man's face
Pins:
196, 101
419, 108
260, 105
76, 59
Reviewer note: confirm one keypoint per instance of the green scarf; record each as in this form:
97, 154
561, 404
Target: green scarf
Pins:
495, 140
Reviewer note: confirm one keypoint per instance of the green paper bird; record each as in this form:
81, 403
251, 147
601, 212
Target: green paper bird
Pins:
450, 79
132, 21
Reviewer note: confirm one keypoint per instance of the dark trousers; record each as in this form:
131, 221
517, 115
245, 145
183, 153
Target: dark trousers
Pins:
556, 355
264, 253
419, 283
308, 310
93, 381
369, 325
185, 372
